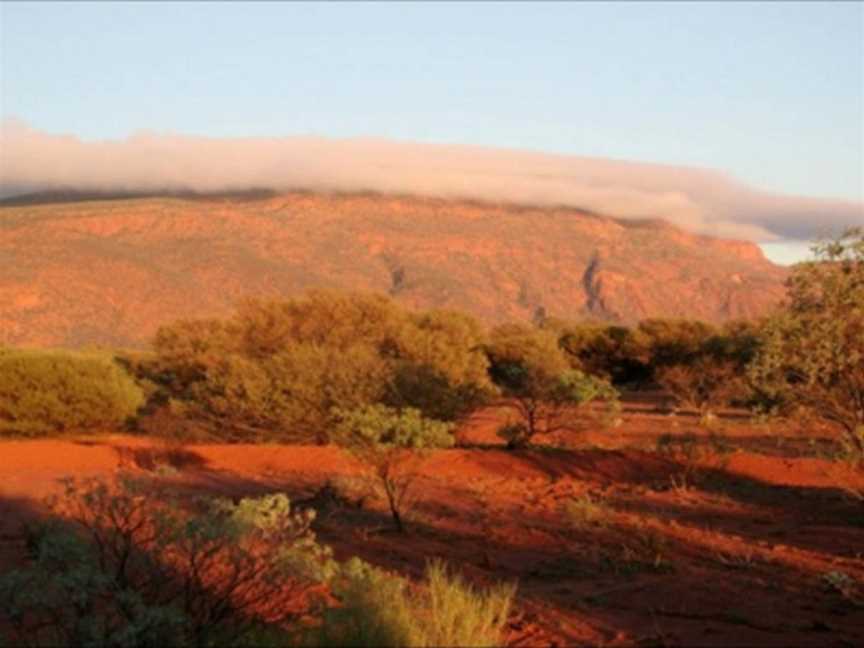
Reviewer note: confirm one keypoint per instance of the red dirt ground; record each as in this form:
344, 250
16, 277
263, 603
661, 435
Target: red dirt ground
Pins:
726, 541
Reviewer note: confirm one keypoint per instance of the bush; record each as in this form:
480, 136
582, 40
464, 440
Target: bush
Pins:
49, 392
288, 396
378, 609
616, 353
276, 369
128, 565
706, 382
389, 442
705, 369
812, 351
424, 388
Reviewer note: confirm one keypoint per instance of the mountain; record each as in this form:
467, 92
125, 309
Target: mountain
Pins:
110, 271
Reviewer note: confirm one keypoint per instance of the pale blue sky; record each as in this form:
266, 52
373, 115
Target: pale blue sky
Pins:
771, 92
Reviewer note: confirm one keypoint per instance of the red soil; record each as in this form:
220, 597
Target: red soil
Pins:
716, 548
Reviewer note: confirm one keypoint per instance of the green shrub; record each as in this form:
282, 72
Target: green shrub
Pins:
49, 392
549, 404
378, 609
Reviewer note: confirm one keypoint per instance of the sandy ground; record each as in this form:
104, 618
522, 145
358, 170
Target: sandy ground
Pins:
725, 542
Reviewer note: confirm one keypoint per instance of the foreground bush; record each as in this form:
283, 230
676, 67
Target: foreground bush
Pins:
46, 392
127, 565
378, 609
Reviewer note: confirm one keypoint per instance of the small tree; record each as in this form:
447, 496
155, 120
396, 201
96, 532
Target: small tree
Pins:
388, 442
531, 371
812, 350
546, 403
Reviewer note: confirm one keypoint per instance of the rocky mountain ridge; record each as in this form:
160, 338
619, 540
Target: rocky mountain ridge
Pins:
110, 272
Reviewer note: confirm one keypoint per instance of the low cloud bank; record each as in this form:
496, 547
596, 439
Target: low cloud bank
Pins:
699, 200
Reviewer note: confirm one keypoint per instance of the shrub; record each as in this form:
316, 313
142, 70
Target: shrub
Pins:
706, 372
389, 442
424, 388
128, 565
438, 365
706, 383
276, 368
46, 392
812, 350
287, 396
616, 353
378, 609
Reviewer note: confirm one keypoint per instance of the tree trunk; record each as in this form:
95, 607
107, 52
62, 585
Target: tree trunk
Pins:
389, 489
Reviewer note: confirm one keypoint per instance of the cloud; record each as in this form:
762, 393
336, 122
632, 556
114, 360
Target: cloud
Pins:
699, 200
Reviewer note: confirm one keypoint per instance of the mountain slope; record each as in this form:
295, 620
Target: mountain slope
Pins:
110, 272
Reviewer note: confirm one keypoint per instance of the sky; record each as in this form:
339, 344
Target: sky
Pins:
770, 95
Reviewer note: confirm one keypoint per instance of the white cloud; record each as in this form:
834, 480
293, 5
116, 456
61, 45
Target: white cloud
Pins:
700, 200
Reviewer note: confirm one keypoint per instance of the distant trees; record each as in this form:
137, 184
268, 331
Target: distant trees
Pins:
45, 392
812, 351
705, 368
617, 353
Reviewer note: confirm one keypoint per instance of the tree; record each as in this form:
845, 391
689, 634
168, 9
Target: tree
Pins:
812, 350
532, 372
673, 341
389, 442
